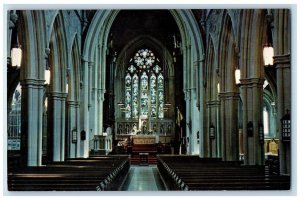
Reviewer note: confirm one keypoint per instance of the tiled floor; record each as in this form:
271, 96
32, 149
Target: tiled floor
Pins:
143, 178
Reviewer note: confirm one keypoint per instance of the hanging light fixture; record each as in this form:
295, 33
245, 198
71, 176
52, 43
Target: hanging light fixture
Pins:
47, 76
16, 55
237, 76
268, 51
67, 88
268, 54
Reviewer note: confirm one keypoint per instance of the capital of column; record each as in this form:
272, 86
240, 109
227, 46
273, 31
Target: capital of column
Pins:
84, 59
72, 103
229, 95
13, 20
90, 63
36, 83
58, 95
100, 94
282, 59
213, 103
47, 52
198, 62
251, 81
187, 94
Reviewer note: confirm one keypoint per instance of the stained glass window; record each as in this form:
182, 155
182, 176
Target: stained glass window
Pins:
14, 121
144, 87
128, 96
160, 84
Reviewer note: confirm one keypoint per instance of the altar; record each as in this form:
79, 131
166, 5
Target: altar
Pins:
144, 139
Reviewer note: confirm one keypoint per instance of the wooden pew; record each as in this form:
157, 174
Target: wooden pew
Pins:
183, 173
73, 175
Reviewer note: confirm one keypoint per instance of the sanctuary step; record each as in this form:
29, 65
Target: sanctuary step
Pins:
143, 154
194, 173
136, 160
92, 174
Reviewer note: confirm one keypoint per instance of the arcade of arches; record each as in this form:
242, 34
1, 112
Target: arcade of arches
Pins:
102, 81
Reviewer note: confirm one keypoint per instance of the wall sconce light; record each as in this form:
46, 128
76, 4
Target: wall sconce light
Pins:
286, 127
74, 136
218, 87
212, 131
261, 132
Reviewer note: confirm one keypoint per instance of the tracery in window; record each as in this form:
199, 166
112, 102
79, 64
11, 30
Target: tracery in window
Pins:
128, 96
14, 121
144, 87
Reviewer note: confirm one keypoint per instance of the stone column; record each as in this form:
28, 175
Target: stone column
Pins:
188, 120
72, 122
170, 97
229, 125
91, 105
252, 96
84, 144
283, 72
213, 149
56, 126
195, 124
31, 121
100, 100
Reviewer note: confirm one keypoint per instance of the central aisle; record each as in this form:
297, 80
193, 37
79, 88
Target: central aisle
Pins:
143, 178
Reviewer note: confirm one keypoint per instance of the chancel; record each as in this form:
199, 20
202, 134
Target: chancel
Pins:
130, 100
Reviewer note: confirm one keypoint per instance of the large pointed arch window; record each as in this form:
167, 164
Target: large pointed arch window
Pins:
144, 87
14, 121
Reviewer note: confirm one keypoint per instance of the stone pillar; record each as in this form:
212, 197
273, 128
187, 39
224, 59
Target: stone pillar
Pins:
91, 105
188, 120
252, 97
213, 149
84, 144
56, 126
229, 125
31, 121
100, 100
170, 97
195, 124
283, 72
72, 121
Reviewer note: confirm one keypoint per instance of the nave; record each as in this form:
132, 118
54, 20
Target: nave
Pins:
92, 93
143, 178
172, 173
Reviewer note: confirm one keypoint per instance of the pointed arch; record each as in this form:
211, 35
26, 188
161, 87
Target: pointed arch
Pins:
74, 79
58, 55
228, 55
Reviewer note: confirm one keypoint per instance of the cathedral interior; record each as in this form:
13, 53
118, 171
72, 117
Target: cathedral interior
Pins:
195, 99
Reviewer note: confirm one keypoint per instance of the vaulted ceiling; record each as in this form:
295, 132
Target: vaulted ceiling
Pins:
130, 24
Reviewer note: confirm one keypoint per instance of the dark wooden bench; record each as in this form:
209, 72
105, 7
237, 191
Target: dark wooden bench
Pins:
72, 175
184, 173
